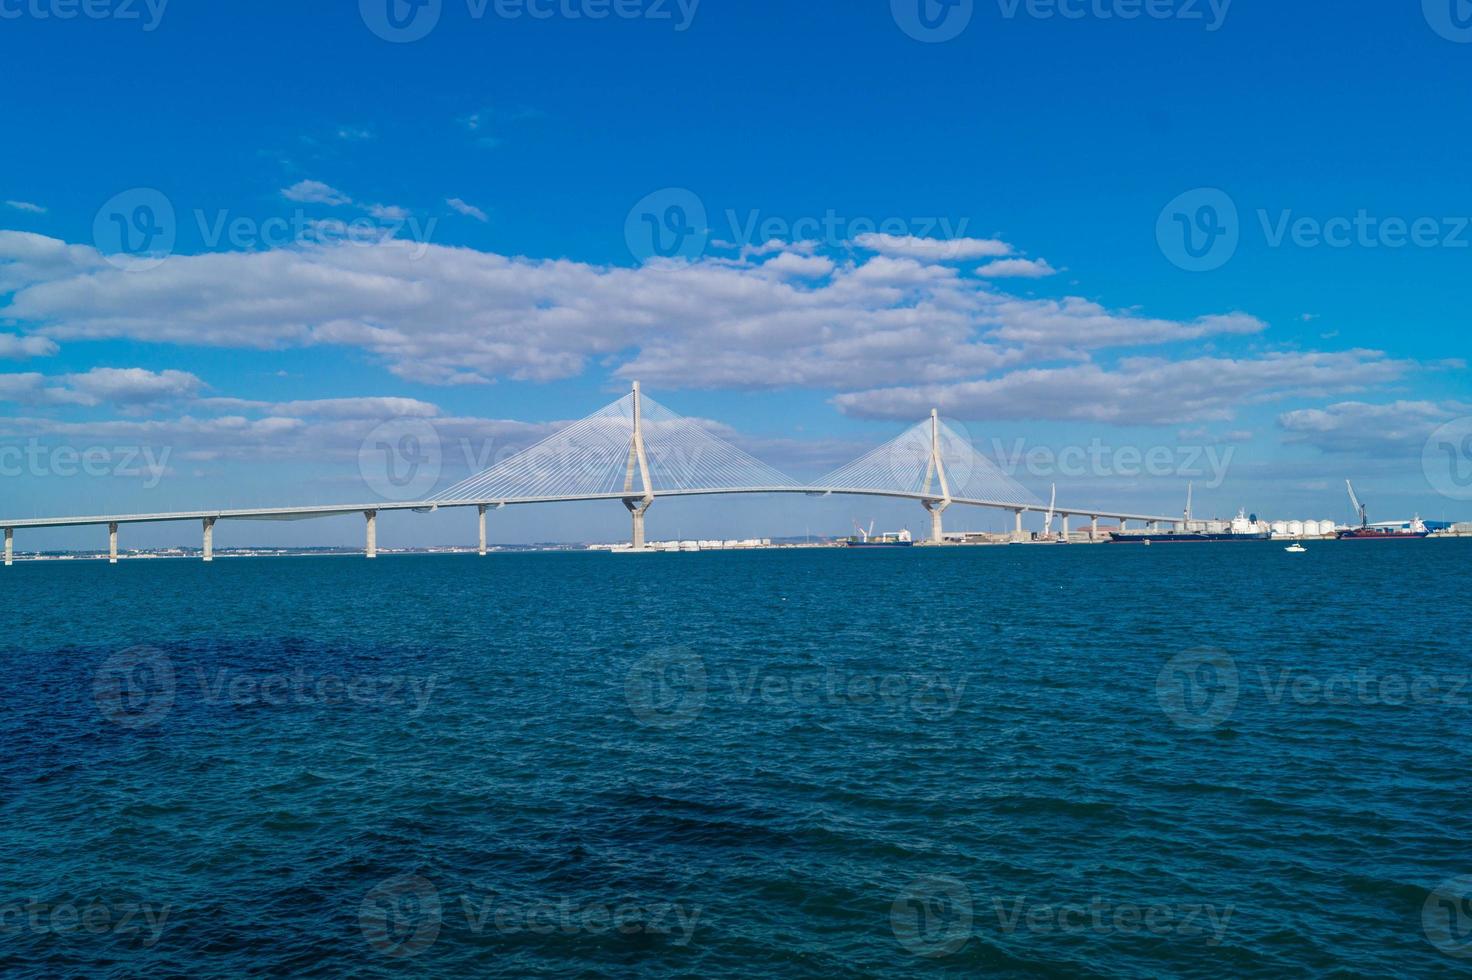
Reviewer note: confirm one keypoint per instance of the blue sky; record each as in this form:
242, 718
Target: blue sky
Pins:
496, 174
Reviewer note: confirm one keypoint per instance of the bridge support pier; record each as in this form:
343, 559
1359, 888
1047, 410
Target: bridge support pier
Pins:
209, 539
112, 544
371, 545
1017, 525
1123, 523
482, 550
637, 508
1094, 528
1155, 525
9, 545
1063, 529
937, 528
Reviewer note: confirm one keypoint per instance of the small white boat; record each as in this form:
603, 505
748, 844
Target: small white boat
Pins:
1296, 548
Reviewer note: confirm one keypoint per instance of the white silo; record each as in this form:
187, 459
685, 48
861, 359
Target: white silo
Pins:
1326, 529
1295, 528
1280, 527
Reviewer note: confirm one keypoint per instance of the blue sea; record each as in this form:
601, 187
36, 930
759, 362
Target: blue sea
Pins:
1217, 760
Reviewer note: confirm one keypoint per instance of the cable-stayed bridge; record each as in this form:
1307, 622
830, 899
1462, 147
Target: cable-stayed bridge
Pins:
636, 451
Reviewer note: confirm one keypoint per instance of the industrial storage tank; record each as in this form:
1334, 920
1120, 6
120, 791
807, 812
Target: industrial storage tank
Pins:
1326, 529
1295, 528
1280, 527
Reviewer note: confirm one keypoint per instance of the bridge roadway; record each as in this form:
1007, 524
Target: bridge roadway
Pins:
371, 510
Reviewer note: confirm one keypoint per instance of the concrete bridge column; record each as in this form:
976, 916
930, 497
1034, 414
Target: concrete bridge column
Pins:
1063, 531
209, 539
1155, 525
1017, 525
371, 546
112, 543
936, 509
637, 508
482, 530
1122, 523
9, 544
1094, 528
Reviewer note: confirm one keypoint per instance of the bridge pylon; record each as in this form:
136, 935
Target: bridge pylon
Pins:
936, 471
638, 505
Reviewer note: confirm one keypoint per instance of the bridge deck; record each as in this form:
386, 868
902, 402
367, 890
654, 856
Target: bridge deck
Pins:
337, 510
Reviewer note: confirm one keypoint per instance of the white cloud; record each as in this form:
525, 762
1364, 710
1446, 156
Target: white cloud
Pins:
933, 249
1017, 268
388, 212
469, 210
1139, 391
130, 389
17, 348
895, 333
315, 192
1361, 427
26, 206
330, 408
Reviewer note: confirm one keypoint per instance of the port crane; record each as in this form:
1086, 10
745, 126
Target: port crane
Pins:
1359, 508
